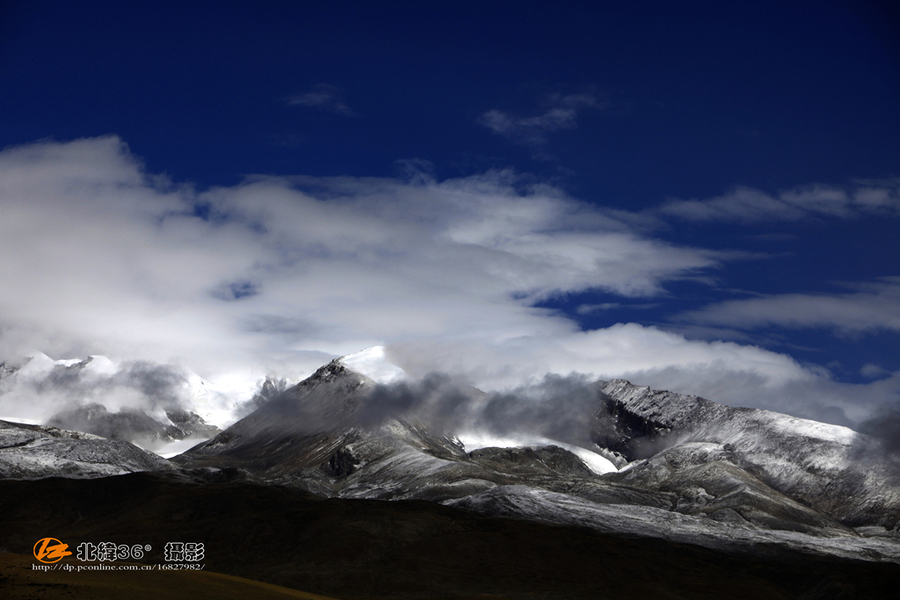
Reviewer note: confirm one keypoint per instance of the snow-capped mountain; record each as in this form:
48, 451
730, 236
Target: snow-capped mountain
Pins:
319, 436
658, 464
146, 403
692, 470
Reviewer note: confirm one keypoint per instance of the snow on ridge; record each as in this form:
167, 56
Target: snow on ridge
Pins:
17, 420
674, 408
595, 462
373, 363
813, 429
100, 365
37, 364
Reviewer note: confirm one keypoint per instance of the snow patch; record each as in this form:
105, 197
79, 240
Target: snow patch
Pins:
22, 420
595, 462
170, 449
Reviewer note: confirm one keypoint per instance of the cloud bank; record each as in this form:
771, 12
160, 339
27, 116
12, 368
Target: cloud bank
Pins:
107, 258
277, 275
555, 408
874, 307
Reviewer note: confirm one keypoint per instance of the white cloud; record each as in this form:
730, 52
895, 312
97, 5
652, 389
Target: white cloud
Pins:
736, 374
874, 307
561, 114
276, 274
749, 205
107, 259
323, 97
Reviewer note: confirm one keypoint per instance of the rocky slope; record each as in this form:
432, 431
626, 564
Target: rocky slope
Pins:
689, 445
39, 451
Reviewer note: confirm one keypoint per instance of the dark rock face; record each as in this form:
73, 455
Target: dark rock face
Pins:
341, 463
127, 424
188, 424
546, 460
637, 422
624, 432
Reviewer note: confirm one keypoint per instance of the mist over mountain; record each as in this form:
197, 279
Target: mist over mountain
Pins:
138, 401
557, 407
884, 427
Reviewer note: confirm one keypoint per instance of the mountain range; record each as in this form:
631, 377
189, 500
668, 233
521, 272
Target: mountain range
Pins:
658, 469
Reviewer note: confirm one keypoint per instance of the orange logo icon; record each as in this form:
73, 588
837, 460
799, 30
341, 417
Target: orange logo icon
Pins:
50, 550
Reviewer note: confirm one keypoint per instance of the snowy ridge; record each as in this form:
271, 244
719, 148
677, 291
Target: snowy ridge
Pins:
830, 468
669, 410
595, 462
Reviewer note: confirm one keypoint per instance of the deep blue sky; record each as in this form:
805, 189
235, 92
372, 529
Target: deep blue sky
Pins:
669, 101
700, 96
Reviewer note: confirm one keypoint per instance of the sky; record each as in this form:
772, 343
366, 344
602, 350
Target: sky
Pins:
696, 196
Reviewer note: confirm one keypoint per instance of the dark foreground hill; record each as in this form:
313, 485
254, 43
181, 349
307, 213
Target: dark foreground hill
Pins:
19, 581
411, 549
